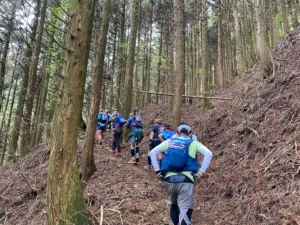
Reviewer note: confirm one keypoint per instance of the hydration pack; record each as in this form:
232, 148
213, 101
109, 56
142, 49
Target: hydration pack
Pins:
177, 158
167, 134
102, 118
158, 128
136, 122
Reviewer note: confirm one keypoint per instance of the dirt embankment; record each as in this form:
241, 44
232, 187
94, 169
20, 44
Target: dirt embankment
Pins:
253, 179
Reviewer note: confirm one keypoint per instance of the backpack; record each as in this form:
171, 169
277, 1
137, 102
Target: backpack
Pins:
157, 130
167, 134
120, 121
177, 158
137, 122
102, 118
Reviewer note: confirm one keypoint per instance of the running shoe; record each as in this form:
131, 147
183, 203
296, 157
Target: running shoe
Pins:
118, 154
133, 162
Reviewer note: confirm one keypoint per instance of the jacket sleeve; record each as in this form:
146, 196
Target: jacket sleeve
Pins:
207, 157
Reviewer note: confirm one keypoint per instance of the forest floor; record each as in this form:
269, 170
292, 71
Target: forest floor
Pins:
253, 178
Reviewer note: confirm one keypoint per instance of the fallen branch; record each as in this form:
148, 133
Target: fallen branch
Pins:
267, 156
101, 218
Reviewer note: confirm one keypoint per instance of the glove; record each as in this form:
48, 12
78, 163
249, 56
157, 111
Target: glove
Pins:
196, 177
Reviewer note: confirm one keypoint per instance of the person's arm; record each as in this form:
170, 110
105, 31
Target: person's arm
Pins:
151, 135
206, 160
154, 152
160, 137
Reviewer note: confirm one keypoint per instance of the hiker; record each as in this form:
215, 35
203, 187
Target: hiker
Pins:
119, 123
167, 133
136, 135
180, 166
110, 120
135, 111
154, 140
101, 125
190, 100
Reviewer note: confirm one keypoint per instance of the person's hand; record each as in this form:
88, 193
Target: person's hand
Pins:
201, 174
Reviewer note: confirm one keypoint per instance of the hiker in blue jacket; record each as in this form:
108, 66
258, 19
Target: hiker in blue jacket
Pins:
101, 125
118, 124
180, 169
136, 135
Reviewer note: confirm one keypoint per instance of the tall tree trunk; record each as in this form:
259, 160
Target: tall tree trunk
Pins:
148, 71
8, 123
21, 101
8, 95
220, 54
10, 29
274, 28
111, 102
261, 37
120, 55
26, 125
239, 47
171, 80
40, 122
88, 163
159, 61
64, 189
284, 17
294, 13
130, 58
180, 62
205, 63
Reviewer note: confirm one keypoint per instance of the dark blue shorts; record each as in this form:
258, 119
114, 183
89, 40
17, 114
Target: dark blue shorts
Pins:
99, 127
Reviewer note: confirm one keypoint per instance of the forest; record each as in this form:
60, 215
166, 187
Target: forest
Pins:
230, 69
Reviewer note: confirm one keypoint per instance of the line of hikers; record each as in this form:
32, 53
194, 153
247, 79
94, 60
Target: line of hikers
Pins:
172, 155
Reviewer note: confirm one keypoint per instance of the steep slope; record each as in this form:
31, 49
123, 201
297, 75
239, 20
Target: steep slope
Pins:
253, 178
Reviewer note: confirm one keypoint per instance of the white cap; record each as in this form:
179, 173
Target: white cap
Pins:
184, 126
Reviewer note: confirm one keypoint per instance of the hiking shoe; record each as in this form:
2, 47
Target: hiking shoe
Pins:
132, 162
137, 157
113, 151
118, 154
148, 168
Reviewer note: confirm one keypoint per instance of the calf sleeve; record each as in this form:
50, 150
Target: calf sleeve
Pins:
132, 152
185, 216
174, 214
137, 150
149, 160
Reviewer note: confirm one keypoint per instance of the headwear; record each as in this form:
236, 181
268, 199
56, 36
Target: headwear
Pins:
184, 126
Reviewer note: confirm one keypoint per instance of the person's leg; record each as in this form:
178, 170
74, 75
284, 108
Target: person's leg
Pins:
114, 145
174, 213
117, 136
132, 149
101, 136
186, 192
171, 190
137, 151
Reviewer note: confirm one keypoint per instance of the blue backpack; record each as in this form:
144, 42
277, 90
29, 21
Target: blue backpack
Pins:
177, 158
167, 134
102, 118
136, 122
120, 121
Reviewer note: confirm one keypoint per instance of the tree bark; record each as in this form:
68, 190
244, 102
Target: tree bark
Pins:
284, 17
64, 189
130, 58
205, 63
26, 125
88, 163
159, 61
120, 54
180, 62
220, 54
261, 37
4, 53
